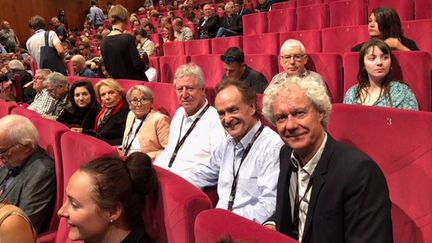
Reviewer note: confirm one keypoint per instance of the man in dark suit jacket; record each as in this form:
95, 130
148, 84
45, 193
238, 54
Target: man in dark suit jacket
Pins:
327, 191
28, 178
209, 24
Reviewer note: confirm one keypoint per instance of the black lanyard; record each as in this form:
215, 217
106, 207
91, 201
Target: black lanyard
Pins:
128, 146
182, 140
297, 201
235, 176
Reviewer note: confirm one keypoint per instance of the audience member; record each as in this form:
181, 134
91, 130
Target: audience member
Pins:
96, 16
80, 67
209, 23
28, 178
231, 22
146, 129
181, 32
237, 69
145, 44
111, 120
43, 103
58, 88
84, 49
263, 6
59, 28
119, 51
15, 226
293, 58
240, 8
167, 33
324, 185
245, 166
375, 84
38, 40
61, 16
110, 195
16, 70
195, 130
149, 28
8, 37
81, 114
384, 23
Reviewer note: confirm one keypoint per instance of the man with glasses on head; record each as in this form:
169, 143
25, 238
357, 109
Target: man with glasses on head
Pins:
236, 69
58, 88
195, 130
27, 174
293, 58
43, 103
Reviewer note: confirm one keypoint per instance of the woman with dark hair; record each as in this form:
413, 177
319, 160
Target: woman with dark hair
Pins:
62, 18
81, 115
375, 84
145, 44
106, 197
119, 51
385, 24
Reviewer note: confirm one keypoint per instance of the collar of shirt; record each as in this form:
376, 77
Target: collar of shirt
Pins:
192, 118
244, 142
310, 166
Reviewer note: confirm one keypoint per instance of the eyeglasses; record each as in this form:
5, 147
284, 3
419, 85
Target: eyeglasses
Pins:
140, 101
3, 153
230, 59
297, 57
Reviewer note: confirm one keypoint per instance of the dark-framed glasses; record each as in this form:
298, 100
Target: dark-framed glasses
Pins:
297, 57
140, 101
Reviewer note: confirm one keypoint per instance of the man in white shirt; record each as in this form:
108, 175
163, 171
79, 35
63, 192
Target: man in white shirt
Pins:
181, 32
195, 129
245, 166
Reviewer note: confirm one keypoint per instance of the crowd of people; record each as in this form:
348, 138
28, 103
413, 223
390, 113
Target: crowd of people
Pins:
293, 179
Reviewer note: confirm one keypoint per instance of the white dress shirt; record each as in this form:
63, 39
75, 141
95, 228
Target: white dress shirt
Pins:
198, 146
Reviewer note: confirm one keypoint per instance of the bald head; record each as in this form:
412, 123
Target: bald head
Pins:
78, 62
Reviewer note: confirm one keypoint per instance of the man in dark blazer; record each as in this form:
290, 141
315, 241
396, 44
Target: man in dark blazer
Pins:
327, 191
27, 176
209, 24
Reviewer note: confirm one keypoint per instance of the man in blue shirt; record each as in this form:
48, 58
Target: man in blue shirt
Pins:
246, 164
96, 16
80, 67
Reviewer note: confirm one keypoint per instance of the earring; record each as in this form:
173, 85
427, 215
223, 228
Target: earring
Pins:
111, 220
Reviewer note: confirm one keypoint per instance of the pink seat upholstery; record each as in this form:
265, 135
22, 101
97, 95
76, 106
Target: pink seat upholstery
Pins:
168, 66
212, 67
70, 69
24, 112
342, 39
154, 62
74, 79
165, 99
311, 39
422, 9
261, 44
301, 3
173, 48
312, 17
254, 24
282, 5
399, 141
50, 133
197, 47
419, 31
264, 63
216, 224
6, 108
281, 20
348, 13
182, 203
220, 45
410, 67
129, 83
157, 39
404, 8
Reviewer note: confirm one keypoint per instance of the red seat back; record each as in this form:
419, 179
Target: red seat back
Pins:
263, 63
173, 48
347, 13
281, 20
342, 39
404, 8
212, 67
168, 66
312, 17
311, 39
197, 47
220, 45
254, 24
261, 44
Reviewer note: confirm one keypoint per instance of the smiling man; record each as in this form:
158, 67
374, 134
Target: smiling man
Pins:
195, 129
246, 164
327, 191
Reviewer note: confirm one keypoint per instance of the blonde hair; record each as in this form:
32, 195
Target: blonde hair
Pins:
112, 83
118, 13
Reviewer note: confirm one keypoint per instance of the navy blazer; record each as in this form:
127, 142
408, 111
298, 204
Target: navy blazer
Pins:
349, 200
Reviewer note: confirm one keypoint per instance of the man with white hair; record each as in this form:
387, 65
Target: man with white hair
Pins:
43, 103
27, 177
58, 88
181, 32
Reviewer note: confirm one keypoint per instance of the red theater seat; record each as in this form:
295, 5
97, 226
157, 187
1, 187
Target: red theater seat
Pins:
261, 44
312, 17
342, 39
281, 20
348, 13
173, 48
282, 5
212, 67
220, 45
311, 39
264, 63
197, 47
168, 66
6, 108
154, 62
254, 24
165, 99
422, 9
404, 8
216, 224
18, 110
399, 141
301, 3
410, 67
420, 32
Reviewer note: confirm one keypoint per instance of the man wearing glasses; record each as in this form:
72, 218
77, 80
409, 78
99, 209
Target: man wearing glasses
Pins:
58, 88
27, 174
293, 58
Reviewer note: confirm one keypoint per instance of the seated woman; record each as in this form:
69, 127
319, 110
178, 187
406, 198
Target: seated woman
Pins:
82, 114
146, 130
15, 226
375, 85
105, 199
384, 23
111, 120
145, 44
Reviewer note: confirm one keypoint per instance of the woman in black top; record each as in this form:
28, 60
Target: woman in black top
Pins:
81, 115
119, 51
384, 23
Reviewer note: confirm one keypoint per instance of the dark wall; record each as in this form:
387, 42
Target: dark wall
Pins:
18, 12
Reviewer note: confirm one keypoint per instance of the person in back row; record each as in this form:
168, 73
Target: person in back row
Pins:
195, 130
209, 24
384, 24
